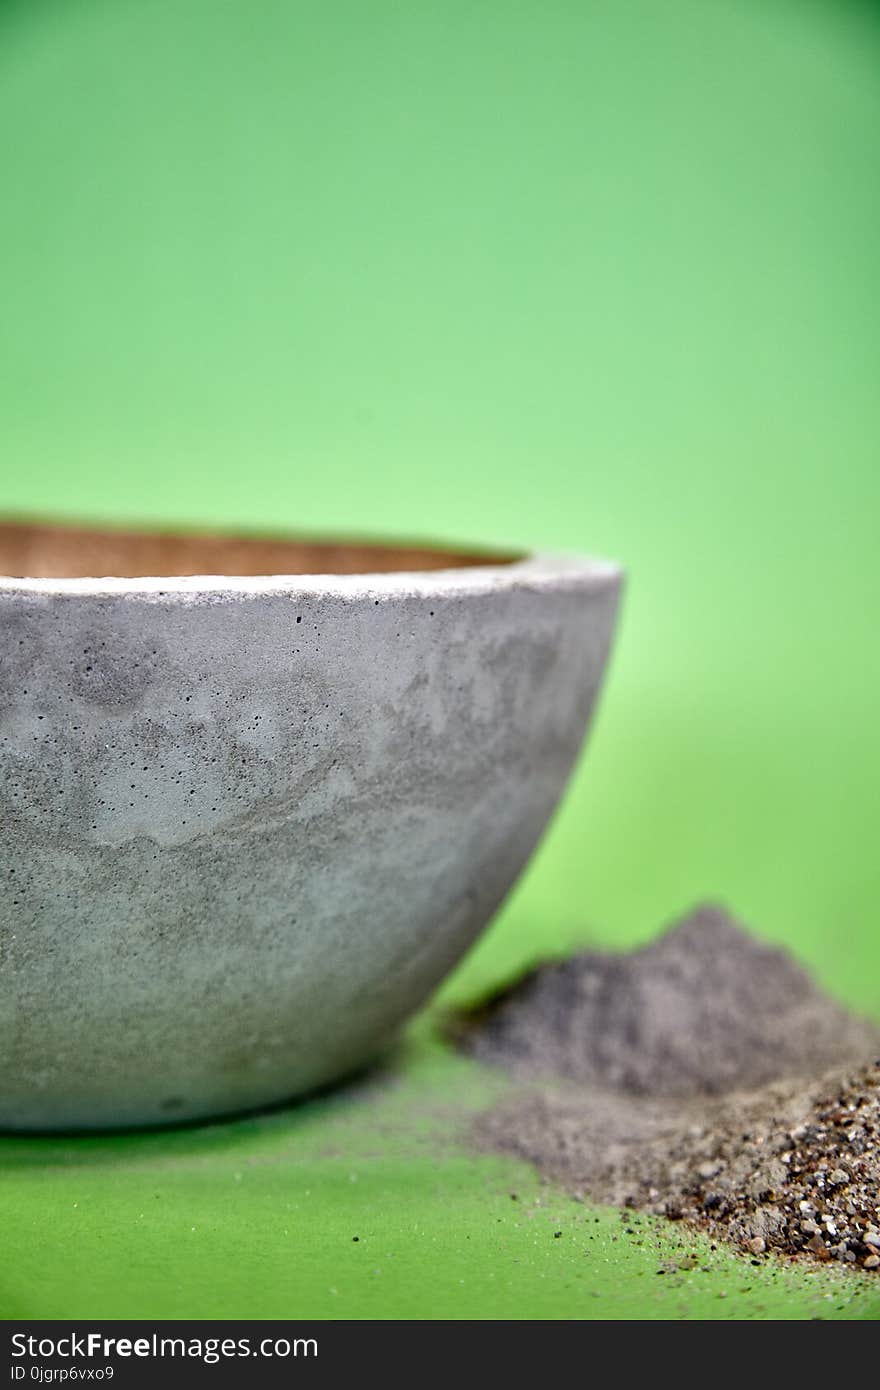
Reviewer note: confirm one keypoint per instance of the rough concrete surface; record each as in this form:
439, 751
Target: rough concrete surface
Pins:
247, 824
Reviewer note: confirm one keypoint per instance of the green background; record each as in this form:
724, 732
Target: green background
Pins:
574, 275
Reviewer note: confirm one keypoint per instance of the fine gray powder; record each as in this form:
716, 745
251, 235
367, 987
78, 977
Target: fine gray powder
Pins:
704, 1010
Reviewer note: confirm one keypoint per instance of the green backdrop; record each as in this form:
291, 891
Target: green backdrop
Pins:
577, 275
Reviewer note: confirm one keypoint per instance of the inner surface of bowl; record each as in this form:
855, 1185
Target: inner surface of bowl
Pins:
65, 552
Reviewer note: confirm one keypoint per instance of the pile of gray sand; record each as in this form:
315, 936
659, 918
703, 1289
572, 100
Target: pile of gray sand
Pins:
705, 1078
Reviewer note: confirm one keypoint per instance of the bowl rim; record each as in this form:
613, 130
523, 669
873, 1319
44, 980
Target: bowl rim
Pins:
533, 570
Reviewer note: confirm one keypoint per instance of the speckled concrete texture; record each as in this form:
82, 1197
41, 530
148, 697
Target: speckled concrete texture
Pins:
248, 824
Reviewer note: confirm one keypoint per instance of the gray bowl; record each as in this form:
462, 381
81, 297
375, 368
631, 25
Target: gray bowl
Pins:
252, 815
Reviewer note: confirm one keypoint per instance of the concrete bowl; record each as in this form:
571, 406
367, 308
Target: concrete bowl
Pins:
252, 811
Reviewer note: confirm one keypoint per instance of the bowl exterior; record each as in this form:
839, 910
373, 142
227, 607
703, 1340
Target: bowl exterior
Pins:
245, 830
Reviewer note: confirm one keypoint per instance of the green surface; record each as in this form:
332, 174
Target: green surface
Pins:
574, 275
258, 1219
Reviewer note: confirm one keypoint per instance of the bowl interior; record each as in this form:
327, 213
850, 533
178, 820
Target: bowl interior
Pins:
35, 551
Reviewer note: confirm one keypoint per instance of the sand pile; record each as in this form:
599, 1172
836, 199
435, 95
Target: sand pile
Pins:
705, 1077
703, 1010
